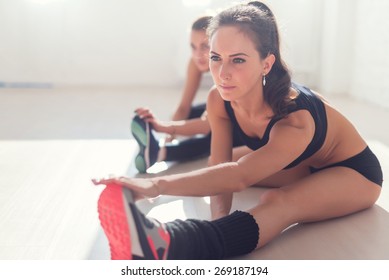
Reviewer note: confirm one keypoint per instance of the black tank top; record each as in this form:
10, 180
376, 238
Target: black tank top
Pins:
306, 100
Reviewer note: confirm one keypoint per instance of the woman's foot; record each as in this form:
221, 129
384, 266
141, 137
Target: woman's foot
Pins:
148, 145
131, 235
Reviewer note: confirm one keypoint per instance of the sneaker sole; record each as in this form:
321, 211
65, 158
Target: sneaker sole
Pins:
122, 225
141, 136
113, 219
139, 133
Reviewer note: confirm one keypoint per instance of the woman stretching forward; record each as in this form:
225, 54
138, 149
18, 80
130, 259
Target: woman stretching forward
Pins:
311, 157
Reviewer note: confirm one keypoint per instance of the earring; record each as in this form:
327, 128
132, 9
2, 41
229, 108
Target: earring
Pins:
264, 80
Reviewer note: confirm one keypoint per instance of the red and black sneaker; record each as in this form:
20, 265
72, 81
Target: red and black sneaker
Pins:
131, 235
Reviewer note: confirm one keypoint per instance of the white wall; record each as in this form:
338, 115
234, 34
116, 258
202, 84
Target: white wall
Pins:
299, 23
335, 46
371, 52
119, 42
90, 42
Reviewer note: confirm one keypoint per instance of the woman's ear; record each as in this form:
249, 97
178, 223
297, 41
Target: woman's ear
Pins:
268, 63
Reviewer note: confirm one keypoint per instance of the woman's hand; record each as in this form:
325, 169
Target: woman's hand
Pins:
148, 116
142, 187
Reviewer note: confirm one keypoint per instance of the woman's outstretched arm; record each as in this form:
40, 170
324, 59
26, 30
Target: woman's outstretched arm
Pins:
192, 84
184, 127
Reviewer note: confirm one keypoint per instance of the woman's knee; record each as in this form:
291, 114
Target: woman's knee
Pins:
273, 196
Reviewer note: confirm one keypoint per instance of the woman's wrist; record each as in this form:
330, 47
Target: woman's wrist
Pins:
155, 186
172, 130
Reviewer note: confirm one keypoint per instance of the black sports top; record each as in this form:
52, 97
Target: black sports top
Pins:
306, 100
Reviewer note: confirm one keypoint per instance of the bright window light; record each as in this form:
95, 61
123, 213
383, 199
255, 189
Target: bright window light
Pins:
196, 3
42, 2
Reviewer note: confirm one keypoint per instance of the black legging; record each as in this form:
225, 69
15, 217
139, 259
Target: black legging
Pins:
197, 146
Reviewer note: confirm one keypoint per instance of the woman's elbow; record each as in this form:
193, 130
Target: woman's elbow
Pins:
240, 186
242, 181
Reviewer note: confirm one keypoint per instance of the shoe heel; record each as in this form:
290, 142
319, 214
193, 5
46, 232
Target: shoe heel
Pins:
140, 164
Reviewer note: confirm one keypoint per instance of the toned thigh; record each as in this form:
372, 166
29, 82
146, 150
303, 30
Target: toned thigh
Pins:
330, 193
285, 177
282, 178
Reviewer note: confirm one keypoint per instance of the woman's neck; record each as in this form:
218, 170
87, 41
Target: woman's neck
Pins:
252, 106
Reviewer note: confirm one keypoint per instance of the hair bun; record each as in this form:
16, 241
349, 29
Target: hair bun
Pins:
263, 7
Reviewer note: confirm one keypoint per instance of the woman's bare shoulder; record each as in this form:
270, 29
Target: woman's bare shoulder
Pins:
215, 103
214, 95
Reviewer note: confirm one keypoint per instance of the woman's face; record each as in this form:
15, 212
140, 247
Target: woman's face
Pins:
235, 64
200, 49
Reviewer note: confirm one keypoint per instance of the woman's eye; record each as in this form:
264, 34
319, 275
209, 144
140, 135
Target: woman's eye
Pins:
238, 60
204, 47
214, 58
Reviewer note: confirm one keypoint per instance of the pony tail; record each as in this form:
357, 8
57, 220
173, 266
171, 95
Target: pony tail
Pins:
263, 7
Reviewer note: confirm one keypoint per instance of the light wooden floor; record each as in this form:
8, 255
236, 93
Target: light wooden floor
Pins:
52, 141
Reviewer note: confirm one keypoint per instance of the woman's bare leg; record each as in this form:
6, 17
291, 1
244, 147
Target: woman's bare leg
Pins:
330, 193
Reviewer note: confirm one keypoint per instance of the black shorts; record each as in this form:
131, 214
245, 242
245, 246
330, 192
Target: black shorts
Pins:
366, 163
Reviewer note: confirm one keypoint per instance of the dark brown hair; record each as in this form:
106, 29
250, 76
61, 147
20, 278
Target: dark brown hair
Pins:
201, 23
257, 21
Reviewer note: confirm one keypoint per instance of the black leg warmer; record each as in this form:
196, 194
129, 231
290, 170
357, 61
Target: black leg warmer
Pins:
233, 235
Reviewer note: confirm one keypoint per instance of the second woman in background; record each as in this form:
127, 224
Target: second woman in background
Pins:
188, 119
